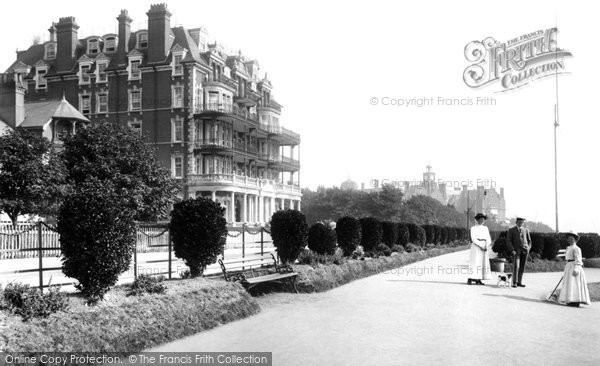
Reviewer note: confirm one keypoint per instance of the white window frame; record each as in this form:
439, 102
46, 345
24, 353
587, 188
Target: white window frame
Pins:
87, 97
99, 104
139, 40
174, 166
82, 66
38, 78
177, 129
101, 77
95, 41
47, 55
107, 41
177, 67
177, 102
138, 75
131, 106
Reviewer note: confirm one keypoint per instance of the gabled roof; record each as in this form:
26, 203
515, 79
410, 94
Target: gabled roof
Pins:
38, 114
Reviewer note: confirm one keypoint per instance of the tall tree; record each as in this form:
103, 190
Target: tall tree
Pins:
31, 175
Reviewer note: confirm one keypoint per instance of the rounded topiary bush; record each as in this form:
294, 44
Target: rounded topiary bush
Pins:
403, 234
198, 231
290, 233
551, 246
438, 234
321, 239
349, 234
537, 243
371, 233
444, 236
390, 233
429, 233
451, 235
589, 244
97, 237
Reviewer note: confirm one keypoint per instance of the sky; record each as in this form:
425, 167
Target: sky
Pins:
329, 60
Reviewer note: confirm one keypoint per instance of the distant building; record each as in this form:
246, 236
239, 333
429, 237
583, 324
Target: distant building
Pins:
349, 184
485, 200
427, 187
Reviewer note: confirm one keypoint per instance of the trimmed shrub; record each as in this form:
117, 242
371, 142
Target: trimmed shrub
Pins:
290, 233
444, 236
413, 248
537, 243
390, 233
321, 239
97, 237
31, 302
500, 247
452, 234
463, 234
349, 234
551, 246
146, 284
438, 234
198, 230
371, 233
403, 234
589, 244
429, 233
383, 249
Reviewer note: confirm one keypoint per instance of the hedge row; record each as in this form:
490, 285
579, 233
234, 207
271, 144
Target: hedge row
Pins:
547, 245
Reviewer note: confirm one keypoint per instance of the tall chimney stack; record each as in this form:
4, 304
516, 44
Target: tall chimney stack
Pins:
12, 100
66, 34
52, 31
159, 29
124, 35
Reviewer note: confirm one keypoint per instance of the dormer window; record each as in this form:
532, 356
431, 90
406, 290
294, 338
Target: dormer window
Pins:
50, 51
110, 44
40, 77
101, 76
93, 46
176, 64
84, 76
134, 69
142, 40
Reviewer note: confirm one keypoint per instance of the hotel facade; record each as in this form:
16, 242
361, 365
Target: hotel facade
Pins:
209, 113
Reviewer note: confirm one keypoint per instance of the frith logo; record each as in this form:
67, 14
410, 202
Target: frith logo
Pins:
514, 63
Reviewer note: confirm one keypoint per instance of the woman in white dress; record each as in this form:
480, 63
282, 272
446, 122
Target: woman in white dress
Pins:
574, 290
479, 260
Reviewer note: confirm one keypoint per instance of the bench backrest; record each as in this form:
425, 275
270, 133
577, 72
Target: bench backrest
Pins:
234, 266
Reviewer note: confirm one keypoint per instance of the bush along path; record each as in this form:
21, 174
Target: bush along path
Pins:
322, 277
125, 322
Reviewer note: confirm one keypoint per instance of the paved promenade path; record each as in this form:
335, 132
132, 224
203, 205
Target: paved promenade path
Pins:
424, 313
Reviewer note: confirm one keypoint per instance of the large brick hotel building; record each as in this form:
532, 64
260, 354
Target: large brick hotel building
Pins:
211, 116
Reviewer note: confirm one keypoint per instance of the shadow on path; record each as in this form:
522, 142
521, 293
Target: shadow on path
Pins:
523, 298
422, 281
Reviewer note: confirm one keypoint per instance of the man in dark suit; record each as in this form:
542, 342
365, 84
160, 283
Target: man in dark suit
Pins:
518, 242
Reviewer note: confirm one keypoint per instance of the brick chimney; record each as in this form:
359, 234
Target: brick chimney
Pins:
66, 34
52, 31
159, 29
12, 99
124, 35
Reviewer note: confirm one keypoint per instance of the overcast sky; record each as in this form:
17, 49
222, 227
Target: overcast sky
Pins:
327, 60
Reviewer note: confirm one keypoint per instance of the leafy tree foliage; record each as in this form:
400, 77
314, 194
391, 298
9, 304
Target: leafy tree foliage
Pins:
31, 175
107, 152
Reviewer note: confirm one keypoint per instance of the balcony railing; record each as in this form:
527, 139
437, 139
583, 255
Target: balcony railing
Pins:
243, 181
222, 79
213, 143
228, 109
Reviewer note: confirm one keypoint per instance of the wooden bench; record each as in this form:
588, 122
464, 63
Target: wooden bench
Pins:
243, 270
561, 253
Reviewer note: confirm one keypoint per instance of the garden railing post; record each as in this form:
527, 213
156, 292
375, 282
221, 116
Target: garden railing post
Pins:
243, 240
39, 225
170, 249
135, 261
262, 230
